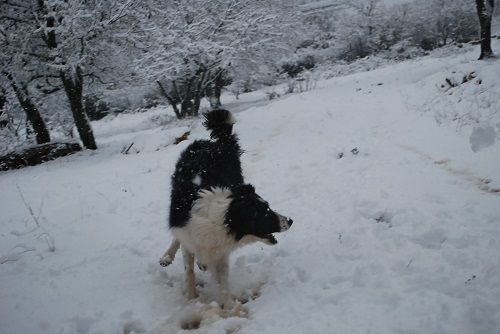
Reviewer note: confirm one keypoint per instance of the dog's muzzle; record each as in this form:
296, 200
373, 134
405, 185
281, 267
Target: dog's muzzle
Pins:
285, 223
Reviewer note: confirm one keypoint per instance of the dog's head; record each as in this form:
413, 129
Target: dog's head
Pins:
250, 215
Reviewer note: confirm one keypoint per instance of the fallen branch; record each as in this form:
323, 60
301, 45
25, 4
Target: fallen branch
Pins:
28, 207
125, 150
46, 235
16, 256
36, 155
184, 136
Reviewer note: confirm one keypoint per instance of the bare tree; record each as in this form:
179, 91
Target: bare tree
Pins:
192, 45
15, 74
60, 45
32, 113
485, 10
60, 25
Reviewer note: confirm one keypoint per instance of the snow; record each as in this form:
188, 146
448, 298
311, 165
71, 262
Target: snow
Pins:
481, 137
396, 219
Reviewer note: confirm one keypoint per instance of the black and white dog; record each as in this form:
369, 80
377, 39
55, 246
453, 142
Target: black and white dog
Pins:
212, 210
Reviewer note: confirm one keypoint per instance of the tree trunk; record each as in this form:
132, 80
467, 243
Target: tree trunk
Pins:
218, 84
485, 12
72, 82
170, 100
32, 113
73, 86
199, 93
215, 89
187, 101
3, 100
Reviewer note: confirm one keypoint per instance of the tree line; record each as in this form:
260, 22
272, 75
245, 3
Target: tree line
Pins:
63, 55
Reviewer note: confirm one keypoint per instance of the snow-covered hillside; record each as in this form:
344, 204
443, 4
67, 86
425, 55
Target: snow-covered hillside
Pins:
391, 176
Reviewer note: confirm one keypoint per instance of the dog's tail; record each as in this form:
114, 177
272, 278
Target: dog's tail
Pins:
220, 124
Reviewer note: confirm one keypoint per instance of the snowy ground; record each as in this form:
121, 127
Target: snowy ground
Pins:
402, 237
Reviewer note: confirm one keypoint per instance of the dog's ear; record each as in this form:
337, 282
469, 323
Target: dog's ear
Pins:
243, 190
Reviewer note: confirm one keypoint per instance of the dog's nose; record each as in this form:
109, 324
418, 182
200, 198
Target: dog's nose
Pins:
285, 222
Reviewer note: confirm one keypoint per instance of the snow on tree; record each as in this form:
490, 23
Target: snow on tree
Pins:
190, 45
58, 56
16, 75
58, 45
358, 28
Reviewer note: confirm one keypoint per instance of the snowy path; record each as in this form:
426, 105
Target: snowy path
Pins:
388, 240
402, 237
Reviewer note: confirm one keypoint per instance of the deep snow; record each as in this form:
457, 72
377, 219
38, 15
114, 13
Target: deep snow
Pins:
401, 235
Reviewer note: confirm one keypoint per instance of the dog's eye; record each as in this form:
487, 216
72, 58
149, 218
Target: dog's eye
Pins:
267, 212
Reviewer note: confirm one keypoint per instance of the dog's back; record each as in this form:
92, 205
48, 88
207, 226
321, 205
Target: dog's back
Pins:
205, 164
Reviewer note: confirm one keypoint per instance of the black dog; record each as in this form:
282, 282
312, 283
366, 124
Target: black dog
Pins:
212, 210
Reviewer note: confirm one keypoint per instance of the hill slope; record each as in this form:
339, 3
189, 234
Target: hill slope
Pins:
396, 216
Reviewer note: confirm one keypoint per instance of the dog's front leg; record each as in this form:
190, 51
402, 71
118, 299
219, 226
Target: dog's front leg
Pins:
222, 278
189, 269
169, 255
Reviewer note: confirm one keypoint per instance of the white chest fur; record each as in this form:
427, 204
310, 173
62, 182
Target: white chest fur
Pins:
205, 234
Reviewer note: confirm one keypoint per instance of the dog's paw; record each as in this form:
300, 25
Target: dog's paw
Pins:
190, 293
166, 261
227, 301
201, 266
235, 310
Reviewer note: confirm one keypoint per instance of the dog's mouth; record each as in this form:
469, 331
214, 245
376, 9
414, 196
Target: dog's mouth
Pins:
270, 239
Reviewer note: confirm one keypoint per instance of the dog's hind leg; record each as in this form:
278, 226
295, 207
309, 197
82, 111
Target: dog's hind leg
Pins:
222, 277
169, 255
189, 269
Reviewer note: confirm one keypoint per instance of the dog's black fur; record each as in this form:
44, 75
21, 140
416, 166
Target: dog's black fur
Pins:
206, 164
249, 214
